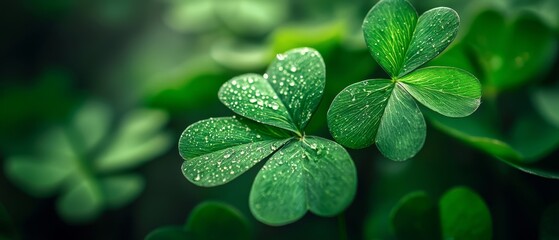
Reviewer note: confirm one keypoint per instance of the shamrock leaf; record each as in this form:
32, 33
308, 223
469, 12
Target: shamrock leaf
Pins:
74, 161
546, 101
275, 109
510, 51
514, 149
460, 214
384, 111
209, 220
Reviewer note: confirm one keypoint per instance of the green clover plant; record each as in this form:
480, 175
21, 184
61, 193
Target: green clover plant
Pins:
460, 214
509, 54
302, 172
89, 175
210, 221
383, 111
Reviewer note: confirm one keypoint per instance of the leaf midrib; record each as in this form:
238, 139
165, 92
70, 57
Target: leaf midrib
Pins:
287, 140
403, 84
393, 85
407, 47
296, 129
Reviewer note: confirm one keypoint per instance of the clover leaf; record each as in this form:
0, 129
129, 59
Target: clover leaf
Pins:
510, 52
460, 214
303, 172
208, 220
383, 111
523, 147
75, 162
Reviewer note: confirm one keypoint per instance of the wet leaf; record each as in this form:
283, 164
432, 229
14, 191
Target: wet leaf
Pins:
278, 106
208, 221
377, 111
400, 41
383, 112
85, 171
464, 215
449, 91
286, 96
218, 150
311, 174
356, 112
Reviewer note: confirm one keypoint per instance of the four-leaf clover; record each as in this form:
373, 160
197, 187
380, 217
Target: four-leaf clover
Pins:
383, 111
302, 172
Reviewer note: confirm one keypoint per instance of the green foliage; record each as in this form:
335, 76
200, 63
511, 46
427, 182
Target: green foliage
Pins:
275, 109
53, 100
384, 111
460, 214
416, 217
208, 221
545, 101
85, 161
523, 147
243, 16
510, 52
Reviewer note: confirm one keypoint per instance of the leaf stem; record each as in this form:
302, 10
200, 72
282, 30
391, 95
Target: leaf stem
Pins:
342, 226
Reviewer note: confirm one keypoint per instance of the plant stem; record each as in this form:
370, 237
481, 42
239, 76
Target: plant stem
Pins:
342, 226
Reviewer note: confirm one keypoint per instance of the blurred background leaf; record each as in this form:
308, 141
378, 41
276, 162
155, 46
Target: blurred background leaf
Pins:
460, 214
74, 161
208, 220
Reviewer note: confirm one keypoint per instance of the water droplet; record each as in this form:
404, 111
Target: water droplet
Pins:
275, 106
252, 100
293, 69
265, 76
227, 155
280, 57
197, 178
